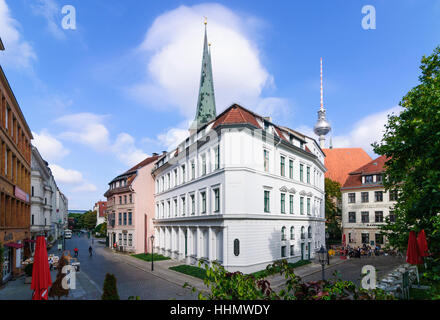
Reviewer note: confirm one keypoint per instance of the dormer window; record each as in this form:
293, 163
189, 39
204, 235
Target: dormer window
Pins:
369, 179
379, 178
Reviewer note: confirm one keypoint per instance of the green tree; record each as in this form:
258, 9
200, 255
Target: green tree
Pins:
90, 220
110, 291
333, 198
412, 144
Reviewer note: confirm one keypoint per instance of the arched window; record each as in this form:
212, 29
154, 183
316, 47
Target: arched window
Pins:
236, 247
303, 235
292, 233
309, 231
283, 233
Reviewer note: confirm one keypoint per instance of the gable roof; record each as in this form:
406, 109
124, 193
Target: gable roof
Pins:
143, 163
236, 114
375, 166
341, 161
2, 47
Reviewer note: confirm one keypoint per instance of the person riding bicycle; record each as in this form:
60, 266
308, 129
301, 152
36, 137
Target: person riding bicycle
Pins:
76, 251
90, 250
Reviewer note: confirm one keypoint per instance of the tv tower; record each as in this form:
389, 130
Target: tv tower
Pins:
322, 127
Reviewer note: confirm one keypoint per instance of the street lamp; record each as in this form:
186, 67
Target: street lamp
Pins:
152, 252
322, 256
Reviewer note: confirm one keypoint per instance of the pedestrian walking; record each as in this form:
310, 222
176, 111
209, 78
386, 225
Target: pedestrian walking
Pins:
90, 250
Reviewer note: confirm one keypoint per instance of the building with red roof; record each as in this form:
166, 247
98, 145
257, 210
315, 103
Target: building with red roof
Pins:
366, 204
130, 208
341, 161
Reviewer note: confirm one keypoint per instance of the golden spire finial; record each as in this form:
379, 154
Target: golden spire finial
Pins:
206, 21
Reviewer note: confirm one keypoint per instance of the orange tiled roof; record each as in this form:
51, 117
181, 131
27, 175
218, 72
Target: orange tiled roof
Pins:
143, 163
341, 161
236, 114
355, 177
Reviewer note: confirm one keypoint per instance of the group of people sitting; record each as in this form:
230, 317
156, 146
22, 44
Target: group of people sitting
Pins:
365, 250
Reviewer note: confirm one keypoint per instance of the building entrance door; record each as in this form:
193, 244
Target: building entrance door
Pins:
186, 243
7, 263
308, 250
302, 251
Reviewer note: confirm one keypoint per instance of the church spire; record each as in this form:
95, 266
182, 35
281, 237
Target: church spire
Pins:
206, 102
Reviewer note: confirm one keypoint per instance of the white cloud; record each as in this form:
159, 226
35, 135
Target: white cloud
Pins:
86, 128
126, 151
172, 49
68, 176
50, 10
86, 187
362, 134
18, 53
49, 147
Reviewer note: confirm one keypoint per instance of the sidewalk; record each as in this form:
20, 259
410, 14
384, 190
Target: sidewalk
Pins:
18, 290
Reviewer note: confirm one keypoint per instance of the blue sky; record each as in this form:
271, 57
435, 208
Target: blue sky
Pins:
123, 84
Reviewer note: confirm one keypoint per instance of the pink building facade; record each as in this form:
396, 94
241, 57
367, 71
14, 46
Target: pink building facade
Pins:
130, 208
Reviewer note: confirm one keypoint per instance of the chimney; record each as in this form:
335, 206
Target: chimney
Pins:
268, 119
154, 154
163, 152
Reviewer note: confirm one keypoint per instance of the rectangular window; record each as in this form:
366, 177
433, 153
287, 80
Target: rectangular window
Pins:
365, 216
216, 200
283, 203
352, 197
352, 217
217, 157
301, 172
392, 216
203, 165
203, 196
283, 251
130, 239
378, 216
168, 180
176, 179
379, 178
308, 206
193, 170
308, 174
266, 160
125, 199
266, 201
393, 195
365, 238
125, 239
183, 174
379, 238
378, 196
125, 218
120, 219
291, 169
291, 203
183, 205
120, 199
292, 250
301, 205
169, 208
175, 207
193, 205
282, 169
364, 197
130, 218
120, 239
131, 198
369, 179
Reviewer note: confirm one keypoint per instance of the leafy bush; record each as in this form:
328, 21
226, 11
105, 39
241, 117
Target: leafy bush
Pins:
225, 285
110, 291
191, 271
28, 269
147, 257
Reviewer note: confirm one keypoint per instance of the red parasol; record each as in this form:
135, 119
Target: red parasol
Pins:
343, 240
41, 280
412, 254
422, 244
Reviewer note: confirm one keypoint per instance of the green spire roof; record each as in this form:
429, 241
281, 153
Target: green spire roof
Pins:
206, 101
